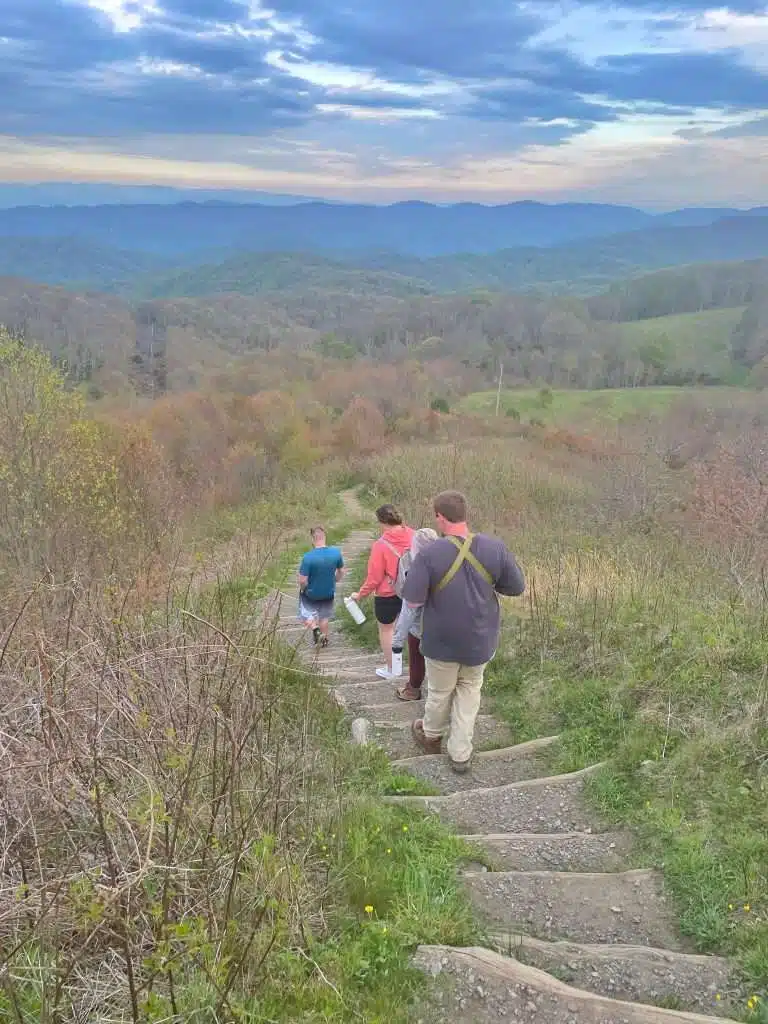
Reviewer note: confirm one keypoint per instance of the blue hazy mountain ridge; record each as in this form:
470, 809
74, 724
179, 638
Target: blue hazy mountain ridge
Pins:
102, 259
410, 228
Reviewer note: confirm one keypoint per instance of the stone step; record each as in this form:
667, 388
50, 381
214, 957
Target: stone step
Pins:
566, 851
397, 711
340, 651
634, 973
357, 696
361, 671
398, 742
627, 907
481, 986
549, 804
492, 768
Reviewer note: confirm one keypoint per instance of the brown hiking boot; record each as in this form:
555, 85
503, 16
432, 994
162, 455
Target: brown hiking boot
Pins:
427, 744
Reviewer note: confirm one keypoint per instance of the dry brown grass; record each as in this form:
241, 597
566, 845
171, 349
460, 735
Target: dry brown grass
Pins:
159, 788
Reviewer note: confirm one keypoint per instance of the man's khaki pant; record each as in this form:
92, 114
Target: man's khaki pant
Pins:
453, 700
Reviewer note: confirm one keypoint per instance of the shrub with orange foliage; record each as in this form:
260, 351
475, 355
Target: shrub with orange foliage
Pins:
361, 429
729, 499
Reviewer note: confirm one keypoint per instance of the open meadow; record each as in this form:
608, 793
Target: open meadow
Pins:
601, 408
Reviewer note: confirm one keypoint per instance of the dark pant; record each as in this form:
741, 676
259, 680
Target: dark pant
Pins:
416, 667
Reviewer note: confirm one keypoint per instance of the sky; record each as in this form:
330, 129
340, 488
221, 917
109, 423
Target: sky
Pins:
655, 103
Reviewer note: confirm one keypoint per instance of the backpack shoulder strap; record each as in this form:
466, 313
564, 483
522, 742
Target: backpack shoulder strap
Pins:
464, 555
398, 556
391, 547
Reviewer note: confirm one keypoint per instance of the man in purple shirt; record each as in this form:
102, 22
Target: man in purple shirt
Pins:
457, 580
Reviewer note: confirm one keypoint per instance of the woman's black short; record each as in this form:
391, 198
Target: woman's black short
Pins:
387, 609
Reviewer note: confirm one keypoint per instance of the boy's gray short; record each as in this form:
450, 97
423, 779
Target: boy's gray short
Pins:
310, 610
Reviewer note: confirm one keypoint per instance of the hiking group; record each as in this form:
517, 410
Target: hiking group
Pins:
436, 591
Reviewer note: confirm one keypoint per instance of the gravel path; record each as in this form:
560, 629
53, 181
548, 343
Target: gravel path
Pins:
492, 768
537, 805
627, 907
566, 851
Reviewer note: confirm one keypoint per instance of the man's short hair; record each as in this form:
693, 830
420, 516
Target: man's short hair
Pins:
315, 531
451, 505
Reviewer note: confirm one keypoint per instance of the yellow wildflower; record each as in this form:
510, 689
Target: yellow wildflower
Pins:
368, 908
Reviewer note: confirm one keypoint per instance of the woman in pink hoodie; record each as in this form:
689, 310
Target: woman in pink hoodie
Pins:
383, 562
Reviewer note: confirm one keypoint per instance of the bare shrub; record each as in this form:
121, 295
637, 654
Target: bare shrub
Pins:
159, 788
728, 506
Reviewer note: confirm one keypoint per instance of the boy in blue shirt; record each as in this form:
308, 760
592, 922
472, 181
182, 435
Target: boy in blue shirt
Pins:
320, 570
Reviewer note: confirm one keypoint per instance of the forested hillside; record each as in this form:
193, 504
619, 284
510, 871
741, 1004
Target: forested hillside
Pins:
687, 289
704, 324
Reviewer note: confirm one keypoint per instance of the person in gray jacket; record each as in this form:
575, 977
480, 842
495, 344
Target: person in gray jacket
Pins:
408, 626
457, 581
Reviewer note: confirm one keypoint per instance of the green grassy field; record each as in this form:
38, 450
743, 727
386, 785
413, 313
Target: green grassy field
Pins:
701, 340
604, 406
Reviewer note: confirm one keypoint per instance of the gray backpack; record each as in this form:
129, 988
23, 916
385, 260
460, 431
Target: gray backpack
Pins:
403, 565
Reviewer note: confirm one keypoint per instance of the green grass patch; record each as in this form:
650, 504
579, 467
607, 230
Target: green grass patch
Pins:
681, 718
602, 407
684, 340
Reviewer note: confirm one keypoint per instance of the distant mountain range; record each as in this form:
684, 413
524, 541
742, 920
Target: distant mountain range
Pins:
408, 229
101, 249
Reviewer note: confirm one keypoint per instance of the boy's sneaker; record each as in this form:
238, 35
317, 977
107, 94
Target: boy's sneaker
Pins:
323, 641
316, 635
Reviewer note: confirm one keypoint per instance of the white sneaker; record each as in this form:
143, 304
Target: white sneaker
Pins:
384, 673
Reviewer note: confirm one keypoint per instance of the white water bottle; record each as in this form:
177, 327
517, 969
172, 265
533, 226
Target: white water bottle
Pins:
397, 662
354, 610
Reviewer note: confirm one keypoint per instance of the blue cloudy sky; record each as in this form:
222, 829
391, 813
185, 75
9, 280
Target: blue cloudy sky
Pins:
654, 102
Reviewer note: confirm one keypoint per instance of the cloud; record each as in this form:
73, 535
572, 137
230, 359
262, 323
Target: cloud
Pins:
405, 93
557, 114
206, 10
57, 35
684, 79
755, 127
494, 48
410, 39
372, 99
692, 6
67, 66
662, 173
